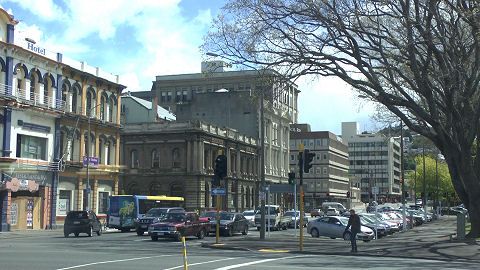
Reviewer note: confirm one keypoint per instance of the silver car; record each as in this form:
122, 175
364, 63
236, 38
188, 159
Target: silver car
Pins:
334, 227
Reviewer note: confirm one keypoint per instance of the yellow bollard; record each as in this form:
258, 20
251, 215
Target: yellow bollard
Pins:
185, 264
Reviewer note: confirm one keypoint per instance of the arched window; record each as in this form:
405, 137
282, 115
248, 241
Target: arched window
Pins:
102, 108
134, 163
64, 96
176, 190
207, 196
176, 158
100, 151
33, 86
76, 92
46, 92
89, 104
107, 152
110, 109
155, 189
155, 159
247, 196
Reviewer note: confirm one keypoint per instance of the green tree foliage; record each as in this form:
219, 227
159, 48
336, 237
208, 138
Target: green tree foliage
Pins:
444, 180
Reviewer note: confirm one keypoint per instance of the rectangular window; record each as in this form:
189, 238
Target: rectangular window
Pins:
164, 97
31, 147
325, 142
102, 202
325, 171
292, 157
64, 202
178, 96
194, 93
184, 95
169, 96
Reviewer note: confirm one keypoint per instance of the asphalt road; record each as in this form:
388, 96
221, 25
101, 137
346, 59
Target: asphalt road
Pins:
115, 250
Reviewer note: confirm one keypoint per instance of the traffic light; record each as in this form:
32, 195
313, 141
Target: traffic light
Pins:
453, 194
406, 194
307, 160
328, 193
215, 181
401, 181
291, 178
387, 191
221, 166
348, 194
429, 194
423, 195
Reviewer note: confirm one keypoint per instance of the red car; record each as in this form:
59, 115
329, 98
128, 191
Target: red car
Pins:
316, 213
177, 225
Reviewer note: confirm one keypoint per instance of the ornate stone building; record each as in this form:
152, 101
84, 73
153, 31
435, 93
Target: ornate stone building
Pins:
177, 159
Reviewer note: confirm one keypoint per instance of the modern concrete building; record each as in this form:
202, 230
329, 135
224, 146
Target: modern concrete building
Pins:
45, 99
231, 99
328, 179
177, 159
375, 159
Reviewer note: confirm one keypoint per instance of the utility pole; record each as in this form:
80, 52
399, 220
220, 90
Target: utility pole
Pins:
300, 164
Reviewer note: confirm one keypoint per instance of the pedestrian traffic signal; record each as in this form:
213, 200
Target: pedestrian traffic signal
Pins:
348, 194
291, 178
221, 166
308, 159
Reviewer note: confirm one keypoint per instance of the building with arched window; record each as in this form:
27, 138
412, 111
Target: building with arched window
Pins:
178, 158
46, 99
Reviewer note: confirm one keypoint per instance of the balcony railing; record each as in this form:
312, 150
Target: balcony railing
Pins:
33, 99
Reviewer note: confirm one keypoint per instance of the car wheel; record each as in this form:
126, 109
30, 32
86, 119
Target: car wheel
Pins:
99, 232
90, 232
347, 236
76, 234
139, 232
201, 234
315, 233
366, 240
154, 238
245, 230
229, 232
65, 234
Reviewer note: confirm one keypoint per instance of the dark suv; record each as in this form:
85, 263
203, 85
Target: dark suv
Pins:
82, 222
152, 216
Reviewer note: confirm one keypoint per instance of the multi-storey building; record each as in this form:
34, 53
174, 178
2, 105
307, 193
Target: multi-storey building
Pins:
328, 178
177, 159
45, 98
232, 99
375, 159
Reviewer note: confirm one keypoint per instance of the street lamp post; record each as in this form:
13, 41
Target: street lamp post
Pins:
424, 186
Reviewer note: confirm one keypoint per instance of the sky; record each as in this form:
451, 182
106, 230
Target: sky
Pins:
141, 39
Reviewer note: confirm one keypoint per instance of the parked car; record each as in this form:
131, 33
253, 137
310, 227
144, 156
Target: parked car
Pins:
332, 212
230, 223
316, 213
250, 216
391, 227
381, 228
334, 227
295, 219
152, 216
340, 208
210, 215
276, 219
78, 222
176, 225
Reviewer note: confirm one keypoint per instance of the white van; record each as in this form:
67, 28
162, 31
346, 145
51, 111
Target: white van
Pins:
335, 205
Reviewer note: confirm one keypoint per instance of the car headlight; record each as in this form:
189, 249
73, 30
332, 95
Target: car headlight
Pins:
172, 228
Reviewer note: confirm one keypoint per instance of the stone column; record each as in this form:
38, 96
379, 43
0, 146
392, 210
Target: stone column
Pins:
94, 191
190, 157
80, 194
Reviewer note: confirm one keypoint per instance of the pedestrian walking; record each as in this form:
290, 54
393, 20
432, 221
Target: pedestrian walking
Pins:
354, 224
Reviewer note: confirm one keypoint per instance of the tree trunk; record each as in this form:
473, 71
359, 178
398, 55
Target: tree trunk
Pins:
465, 182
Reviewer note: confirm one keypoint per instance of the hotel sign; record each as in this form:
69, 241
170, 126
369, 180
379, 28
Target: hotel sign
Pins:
35, 49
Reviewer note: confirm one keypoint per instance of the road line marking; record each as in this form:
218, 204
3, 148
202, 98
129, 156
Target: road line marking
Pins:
219, 260
274, 250
257, 262
114, 261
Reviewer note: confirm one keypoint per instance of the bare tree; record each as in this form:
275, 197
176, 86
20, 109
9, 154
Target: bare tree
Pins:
418, 58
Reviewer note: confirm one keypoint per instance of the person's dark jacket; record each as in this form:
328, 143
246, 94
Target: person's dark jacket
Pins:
354, 222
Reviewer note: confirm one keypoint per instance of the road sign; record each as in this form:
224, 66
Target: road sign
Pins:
374, 190
219, 191
281, 188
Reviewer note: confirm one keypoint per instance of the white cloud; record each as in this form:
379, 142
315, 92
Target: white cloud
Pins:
45, 9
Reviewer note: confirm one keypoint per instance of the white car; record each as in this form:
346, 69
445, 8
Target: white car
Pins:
250, 216
334, 227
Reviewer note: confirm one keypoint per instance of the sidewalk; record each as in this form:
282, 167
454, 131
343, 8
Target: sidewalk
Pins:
429, 241
37, 233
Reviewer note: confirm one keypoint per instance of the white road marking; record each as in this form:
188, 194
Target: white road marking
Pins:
114, 261
257, 262
219, 260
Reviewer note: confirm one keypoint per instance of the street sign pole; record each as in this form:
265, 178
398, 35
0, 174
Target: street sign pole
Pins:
295, 206
301, 195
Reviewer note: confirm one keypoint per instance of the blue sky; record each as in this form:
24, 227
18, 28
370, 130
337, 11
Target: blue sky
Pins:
141, 39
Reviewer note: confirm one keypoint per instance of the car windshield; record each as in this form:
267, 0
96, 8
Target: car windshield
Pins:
249, 213
174, 217
212, 215
77, 215
343, 220
156, 212
291, 214
226, 216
